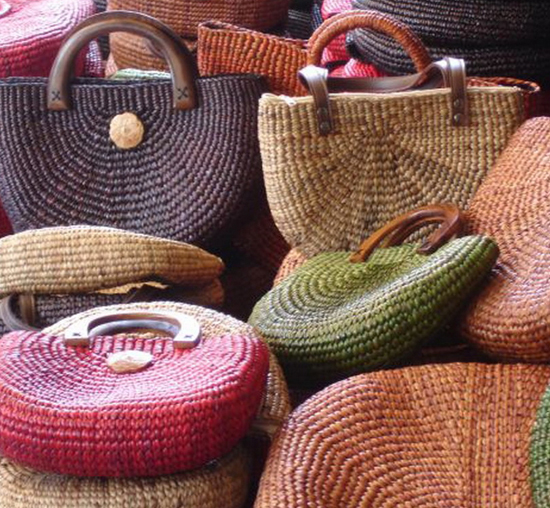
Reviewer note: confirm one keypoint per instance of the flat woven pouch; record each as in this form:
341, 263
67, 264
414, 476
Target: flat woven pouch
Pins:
178, 159
87, 403
223, 482
510, 318
454, 435
336, 316
338, 167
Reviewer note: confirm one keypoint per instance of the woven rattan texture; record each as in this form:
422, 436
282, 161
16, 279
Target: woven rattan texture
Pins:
453, 435
540, 454
332, 318
31, 33
276, 403
386, 155
510, 319
294, 259
190, 179
221, 483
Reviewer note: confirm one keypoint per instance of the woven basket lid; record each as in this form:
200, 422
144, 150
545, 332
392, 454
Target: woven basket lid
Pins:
332, 317
223, 482
510, 318
454, 435
31, 32
76, 259
78, 409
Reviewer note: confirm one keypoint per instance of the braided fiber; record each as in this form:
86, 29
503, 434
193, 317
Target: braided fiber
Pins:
275, 404
298, 25
387, 154
294, 259
510, 318
540, 454
332, 318
453, 436
190, 406
189, 180
224, 483
78, 259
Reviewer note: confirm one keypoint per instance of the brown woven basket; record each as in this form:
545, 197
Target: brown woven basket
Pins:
453, 436
510, 319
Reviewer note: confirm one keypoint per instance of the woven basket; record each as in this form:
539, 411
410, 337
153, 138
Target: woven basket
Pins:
189, 401
191, 176
510, 319
335, 316
294, 259
540, 454
221, 483
453, 435
386, 152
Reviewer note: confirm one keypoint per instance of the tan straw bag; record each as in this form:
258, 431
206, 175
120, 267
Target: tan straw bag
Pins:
338, 167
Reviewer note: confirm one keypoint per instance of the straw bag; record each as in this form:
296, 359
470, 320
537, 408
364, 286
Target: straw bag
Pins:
338, 167
192, 397
540, 454
52, 273
178, 160
336, 316
223, 482
453, 435
184, 17
510, 319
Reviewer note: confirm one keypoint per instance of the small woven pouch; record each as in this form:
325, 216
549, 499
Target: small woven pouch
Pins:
336, 316
88, 403
453, 436
223, 482
510, 318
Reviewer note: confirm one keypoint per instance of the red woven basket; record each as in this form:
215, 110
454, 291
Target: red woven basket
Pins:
71, 408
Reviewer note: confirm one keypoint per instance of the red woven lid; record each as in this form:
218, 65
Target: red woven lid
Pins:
63, 410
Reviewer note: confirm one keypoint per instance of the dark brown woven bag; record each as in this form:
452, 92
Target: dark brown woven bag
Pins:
178, 160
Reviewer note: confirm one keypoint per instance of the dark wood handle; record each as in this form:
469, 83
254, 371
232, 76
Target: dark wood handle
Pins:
394, 233
179, 58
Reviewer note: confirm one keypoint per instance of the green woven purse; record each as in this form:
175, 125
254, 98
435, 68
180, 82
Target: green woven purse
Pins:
337, 316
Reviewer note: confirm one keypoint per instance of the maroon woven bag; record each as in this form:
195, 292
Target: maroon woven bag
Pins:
91, 404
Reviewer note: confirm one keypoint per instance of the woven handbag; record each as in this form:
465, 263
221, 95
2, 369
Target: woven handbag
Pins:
338, 167
336, 316
52, 273
540, 454
453, 435
177, 160
510, 318
106, 406
223, 482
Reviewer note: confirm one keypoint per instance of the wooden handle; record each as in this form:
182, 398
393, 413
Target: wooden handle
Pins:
177, 55
394, 233
352, 20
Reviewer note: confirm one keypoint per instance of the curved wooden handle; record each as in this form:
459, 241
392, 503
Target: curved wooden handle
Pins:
185, 329
352, 20
394, 233
179, 58
27, 310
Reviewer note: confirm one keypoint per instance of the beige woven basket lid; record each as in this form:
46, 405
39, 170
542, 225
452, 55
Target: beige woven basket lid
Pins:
222, 483
77, 259
275, 405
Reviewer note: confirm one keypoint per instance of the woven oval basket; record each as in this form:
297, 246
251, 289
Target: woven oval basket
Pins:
333, 317
510, 318
223, 482
454, 435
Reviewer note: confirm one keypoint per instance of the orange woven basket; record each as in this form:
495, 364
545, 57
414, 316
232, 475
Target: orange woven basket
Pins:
453, 436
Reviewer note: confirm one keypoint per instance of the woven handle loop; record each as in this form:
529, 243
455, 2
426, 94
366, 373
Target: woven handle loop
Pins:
185, 329
179, 58
394, 233
5, 7
352, 20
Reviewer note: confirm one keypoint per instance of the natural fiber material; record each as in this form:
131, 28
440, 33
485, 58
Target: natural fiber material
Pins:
87, 258
275, 404
332, 318
31, 33
510, 319
453, 435
298, 24
223, 482
540, 454
190, 180
189, 407
294, 259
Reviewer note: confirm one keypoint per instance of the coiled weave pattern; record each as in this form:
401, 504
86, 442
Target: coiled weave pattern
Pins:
454, 435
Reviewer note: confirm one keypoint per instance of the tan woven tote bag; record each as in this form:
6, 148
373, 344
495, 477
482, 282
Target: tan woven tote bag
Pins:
338, 167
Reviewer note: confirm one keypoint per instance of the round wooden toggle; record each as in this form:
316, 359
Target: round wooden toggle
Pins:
129, 361
126, 131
